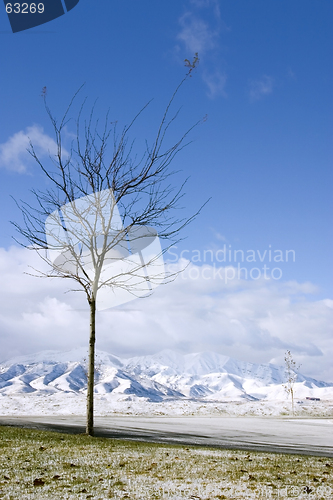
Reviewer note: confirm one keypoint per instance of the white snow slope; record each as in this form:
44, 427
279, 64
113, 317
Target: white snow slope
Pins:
163, 377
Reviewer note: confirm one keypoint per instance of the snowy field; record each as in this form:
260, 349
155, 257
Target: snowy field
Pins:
75, 404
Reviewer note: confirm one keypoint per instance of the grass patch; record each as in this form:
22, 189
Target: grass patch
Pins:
48, 465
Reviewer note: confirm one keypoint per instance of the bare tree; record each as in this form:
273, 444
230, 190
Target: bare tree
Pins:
98, 223
291, 376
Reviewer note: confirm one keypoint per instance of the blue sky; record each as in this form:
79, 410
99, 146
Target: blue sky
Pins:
263, 156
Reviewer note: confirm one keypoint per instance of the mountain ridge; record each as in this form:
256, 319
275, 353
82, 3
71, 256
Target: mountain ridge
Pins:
164, 376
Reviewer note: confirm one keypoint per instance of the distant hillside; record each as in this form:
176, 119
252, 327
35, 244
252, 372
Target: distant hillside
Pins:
165, 376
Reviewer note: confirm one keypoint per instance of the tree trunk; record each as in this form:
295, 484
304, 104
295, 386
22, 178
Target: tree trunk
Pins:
91, 371
292, 400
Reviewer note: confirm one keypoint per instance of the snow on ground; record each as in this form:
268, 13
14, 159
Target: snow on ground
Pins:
75, 404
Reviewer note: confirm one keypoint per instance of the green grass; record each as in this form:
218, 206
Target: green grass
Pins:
46, 465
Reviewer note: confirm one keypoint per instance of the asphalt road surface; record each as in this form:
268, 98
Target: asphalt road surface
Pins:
283, 435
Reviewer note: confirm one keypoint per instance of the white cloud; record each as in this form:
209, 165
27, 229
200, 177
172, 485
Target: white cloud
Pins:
216, 83
219, 236
13, 153
261, 88
249, 320
201, 27
196, 34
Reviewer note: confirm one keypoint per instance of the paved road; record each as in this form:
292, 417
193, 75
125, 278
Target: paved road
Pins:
284, 435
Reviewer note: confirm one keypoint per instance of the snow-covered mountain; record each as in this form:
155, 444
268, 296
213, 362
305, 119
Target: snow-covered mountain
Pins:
165, 376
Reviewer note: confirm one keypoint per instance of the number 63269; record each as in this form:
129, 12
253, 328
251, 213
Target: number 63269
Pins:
24, 8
